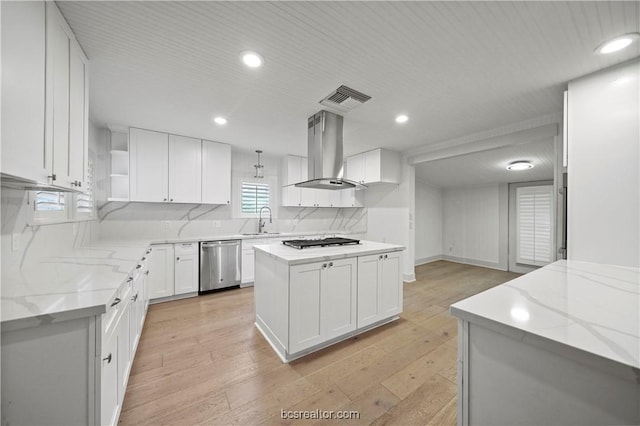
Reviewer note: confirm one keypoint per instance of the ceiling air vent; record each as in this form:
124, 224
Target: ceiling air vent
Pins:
344, 99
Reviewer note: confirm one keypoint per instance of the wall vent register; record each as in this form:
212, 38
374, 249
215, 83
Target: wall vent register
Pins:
321, 242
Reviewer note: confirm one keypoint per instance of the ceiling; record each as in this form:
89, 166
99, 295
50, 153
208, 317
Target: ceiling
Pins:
489, 166
455, 68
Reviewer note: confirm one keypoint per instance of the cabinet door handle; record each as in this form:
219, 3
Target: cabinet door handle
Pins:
129, 279
330, 264
116, 301
134, 298
164, 199
385, 256
177, 258
146, 272
143, 259
228, 201
107, 358
148, 251
171, 199
381, 257
324, 266
138, 266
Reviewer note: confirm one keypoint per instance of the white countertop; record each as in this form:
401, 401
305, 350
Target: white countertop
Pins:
591, 307
83, 280
293, 256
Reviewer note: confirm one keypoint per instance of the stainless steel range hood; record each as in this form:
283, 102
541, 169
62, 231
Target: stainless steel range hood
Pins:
325, 161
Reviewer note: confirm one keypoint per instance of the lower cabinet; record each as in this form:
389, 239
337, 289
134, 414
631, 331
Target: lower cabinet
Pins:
322, 302
174, 270
72, 370
379, 295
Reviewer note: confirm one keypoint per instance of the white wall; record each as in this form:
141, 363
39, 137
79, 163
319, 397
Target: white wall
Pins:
475, 227
390, 216
429, 223
604, 167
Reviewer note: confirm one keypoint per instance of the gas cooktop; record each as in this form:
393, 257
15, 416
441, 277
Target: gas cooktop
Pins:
321, 242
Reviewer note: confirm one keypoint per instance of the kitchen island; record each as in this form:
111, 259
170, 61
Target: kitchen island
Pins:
307, 299
560, 345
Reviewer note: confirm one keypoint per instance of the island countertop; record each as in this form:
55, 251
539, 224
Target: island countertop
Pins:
294, 256
591, 307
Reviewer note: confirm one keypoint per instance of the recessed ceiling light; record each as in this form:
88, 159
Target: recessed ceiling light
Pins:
402, 118
520, 165
220, 120
617, 43
252, 59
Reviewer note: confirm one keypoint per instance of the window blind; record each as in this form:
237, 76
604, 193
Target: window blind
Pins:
534, 216
49, 201
254, 196
84, 201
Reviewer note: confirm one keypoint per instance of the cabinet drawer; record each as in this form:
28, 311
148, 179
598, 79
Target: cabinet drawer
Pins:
186, 248
117, 305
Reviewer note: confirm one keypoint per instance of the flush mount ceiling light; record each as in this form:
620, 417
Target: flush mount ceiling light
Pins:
252, 59
220, 120
519, 165
402, 118
617, 43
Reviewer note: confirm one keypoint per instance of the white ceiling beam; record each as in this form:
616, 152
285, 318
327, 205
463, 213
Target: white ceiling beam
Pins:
516, 138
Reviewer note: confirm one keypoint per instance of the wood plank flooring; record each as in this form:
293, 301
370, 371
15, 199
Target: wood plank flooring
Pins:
202, 361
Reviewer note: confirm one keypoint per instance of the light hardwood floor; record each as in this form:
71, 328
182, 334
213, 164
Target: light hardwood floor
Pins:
202, 361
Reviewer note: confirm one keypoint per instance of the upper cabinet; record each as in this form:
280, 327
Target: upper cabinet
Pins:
44, 96
178, 169
216, 173
66, 120
377, 166
149, 165
294, 170
185, 169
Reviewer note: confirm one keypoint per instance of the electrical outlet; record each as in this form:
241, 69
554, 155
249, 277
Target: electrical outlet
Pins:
166, 224
15, 242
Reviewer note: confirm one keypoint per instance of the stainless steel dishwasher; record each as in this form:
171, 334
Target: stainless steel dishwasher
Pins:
220, 264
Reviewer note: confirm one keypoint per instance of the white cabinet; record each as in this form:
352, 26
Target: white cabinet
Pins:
109, 378
66, 120
216, 173
161, 271
23, 90
379, 295
322, 302
173, 270
149, 165
185, 169
186, 269
248, 265
44, 96
378, 165
170, 168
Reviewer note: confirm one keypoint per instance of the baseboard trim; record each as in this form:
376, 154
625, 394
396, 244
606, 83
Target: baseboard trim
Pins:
409, 278
425, 260
474, 262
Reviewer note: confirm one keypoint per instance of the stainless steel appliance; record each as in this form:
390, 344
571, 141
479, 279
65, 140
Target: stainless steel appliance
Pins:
320, 242
220, 264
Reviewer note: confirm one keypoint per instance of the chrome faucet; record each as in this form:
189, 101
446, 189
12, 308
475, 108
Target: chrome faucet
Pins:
260, 222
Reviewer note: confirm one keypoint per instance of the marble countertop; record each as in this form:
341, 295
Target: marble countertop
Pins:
85, 280
293, 256
591, 307
82, 281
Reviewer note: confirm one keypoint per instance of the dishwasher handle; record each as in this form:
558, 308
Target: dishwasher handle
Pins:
221, 243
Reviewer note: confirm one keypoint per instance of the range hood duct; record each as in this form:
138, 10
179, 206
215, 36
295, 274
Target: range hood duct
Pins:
325, 161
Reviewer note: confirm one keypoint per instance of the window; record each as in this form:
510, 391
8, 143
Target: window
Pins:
534, 221
56, 207
254, 197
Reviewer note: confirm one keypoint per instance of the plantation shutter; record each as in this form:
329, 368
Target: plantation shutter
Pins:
84, 201
534, 219
254, 196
